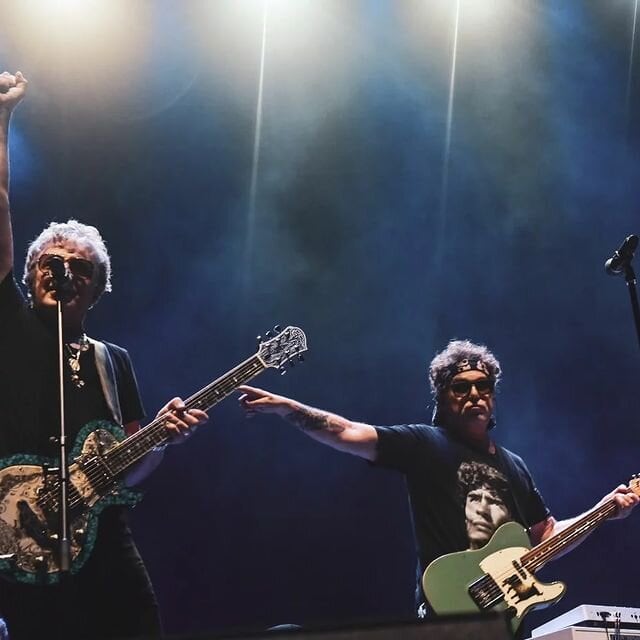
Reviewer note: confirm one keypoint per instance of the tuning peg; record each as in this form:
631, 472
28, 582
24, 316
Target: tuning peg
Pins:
282, 371
258, 338
300, 358
277, 328
268, 334
292, 363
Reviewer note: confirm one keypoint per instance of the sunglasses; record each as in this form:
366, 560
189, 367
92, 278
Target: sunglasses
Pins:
78, 266
463, 387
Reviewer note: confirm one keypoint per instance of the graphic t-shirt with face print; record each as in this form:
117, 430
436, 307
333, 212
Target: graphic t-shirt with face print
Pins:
459, 496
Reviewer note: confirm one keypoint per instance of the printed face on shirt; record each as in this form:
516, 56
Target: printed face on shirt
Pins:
484, 489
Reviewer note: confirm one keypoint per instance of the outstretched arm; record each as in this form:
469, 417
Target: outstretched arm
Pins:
12, 88
356, 438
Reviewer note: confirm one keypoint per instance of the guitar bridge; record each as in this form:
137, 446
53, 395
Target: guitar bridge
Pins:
485, 592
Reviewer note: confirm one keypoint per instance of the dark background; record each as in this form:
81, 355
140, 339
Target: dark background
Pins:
346, 189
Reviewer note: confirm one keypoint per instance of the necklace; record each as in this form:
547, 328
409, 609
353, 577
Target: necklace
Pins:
74, 350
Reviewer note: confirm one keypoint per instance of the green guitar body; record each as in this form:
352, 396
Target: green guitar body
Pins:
447, 579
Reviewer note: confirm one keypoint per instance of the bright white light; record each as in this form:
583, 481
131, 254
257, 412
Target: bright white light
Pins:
71, 20
304, 37
79, 33
483, 20
86, 49
295, 20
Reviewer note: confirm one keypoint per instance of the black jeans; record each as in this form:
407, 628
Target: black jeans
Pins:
110, 597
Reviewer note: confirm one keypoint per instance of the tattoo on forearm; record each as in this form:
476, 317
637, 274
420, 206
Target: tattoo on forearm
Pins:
309, 419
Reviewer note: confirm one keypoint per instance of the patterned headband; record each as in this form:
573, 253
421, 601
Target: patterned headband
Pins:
468, 364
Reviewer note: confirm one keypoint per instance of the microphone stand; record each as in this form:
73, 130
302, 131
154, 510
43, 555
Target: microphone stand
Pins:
620, 263
630, 279
63, 469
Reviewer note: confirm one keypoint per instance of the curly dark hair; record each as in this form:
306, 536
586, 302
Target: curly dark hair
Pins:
472, 475
442, 367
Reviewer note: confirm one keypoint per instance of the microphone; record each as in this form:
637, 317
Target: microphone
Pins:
61, 276
621, 258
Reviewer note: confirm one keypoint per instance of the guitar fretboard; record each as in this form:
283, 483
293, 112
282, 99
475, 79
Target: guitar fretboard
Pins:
548, 549
155, 434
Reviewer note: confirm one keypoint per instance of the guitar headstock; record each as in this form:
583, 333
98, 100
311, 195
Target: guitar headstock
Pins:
283, 348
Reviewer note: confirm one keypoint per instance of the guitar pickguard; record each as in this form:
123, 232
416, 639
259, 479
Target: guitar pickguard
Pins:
29, 506
520, 588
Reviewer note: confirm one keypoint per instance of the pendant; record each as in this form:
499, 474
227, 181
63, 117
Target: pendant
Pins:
73, 360
77, 380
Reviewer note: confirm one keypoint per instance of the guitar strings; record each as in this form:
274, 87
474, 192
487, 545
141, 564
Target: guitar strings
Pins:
137, 445
536, 557
137, 442
207, 397
547, 548
131, 449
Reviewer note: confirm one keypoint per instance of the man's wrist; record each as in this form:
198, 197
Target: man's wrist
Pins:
5, 114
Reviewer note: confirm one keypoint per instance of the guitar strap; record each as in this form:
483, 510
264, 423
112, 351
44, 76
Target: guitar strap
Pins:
506, 464
107, 375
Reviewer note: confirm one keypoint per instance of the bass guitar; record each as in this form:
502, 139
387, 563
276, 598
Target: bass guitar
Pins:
99, 461
500, 575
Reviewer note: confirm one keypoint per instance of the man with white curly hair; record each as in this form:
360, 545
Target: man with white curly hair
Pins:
462, 485
111, 595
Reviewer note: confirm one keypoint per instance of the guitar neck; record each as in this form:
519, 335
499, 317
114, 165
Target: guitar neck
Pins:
132, 449
552, 547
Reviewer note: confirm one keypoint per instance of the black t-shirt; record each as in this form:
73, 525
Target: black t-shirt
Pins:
29, 396
458, 495
111, 596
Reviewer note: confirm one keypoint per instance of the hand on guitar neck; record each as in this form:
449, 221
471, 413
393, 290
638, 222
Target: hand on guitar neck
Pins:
625, 500
180, 421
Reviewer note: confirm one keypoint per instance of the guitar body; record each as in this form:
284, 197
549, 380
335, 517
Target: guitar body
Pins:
447, 580
29, 506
